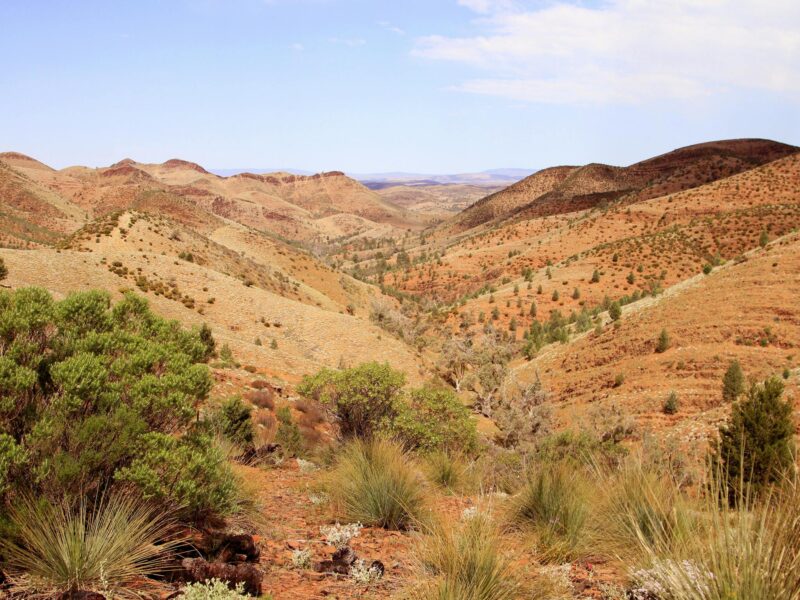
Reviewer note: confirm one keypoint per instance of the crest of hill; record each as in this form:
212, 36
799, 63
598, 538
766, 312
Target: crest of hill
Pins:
568, 189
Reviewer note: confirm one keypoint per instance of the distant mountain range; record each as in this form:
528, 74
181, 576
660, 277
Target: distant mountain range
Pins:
490, 177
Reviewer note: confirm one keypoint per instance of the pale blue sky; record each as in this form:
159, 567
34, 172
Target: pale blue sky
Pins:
379, 85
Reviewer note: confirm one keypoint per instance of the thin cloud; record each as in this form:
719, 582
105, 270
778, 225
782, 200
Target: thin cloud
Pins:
351, 42
626, 51
389, 27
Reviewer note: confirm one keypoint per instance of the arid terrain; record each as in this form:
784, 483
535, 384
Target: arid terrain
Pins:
598, 292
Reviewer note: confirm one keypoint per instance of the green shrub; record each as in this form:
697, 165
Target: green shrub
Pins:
615, 311
670, 404
363, 399
86, 389
433, 419
233, 420
733, 382
288, 435
375, 482
553, 502
59, 549
663, 343
213, 589
756, 446
447, 471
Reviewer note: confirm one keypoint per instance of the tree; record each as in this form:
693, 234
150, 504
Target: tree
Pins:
756, 447
532, 311
576, 294
555, 296
763, 239
595, 277
671, 404
733, 383
456, 361
94, 396
522, 413
663, 343
615, 311
3, 269
361, 399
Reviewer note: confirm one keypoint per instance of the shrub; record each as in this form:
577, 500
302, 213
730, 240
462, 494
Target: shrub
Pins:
434, 419
86, 390
663, 343
466, 562
595, 277
233, 420
3, 269
756, 445
553, 502
733, 383
363, 399
376, 482
288, 434
59, 549
670, 406
615, 311
213, 589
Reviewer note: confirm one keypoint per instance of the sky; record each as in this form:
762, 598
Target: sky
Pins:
427, 86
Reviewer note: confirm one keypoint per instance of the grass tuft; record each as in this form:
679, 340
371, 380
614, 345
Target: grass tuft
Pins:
377, 483
60, 549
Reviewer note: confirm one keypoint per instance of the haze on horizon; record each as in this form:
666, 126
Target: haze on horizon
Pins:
372, 86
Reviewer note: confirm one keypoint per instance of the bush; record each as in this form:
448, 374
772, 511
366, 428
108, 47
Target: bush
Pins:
213, 589
663, 343
288, 434
3, 269
375, 482
615, 311
553, 502
233, 420
670, 404
363, 399
434, 419
86, 390
756, 446
446, 471
733, 382
58, 549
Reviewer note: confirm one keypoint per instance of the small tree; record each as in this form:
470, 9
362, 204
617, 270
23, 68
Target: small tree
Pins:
362, 398
755, 447
733, 382
3, 269
670, 404
532, 311
763, 239
615, 311
595, 277
663, 343
555, 296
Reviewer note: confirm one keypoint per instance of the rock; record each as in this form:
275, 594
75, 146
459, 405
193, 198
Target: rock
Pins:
226, 547
199, 570
340, 562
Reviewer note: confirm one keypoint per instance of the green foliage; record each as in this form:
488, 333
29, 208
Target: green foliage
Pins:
733, 382
447, 471
670, 404
756, 446
288, 434
663, 343
60, 549
763, 239
363, 399
233, 420
554, 503
375, 482
434, 419
615, 311
85, 387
